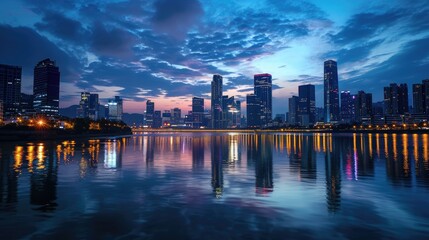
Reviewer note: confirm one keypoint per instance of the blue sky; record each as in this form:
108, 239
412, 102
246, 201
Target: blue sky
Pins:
168, 50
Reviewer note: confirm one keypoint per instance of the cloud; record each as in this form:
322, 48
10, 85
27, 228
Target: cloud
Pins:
62, 27
176, 17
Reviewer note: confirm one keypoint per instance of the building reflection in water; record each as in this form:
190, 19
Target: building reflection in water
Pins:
333, 173
9, 176
197, 153
216, 161
43, 190
264, 163
113, 153
308, 159
149, 144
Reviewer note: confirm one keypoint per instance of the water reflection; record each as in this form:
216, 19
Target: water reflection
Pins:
333, 174
217, 148
264, 164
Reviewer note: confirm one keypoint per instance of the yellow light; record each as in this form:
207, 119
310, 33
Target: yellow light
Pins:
40, 122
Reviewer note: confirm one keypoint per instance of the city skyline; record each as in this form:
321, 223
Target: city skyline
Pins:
167, 51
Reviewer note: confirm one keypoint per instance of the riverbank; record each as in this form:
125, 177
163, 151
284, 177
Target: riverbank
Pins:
161, 130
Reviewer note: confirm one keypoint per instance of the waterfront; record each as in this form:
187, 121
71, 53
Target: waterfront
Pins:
217, 185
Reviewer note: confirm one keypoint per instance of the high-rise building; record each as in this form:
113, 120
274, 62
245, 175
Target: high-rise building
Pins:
176, 116
263, 90
331, 99
26, 105
233, 110
115, 109
253, 111
347, 107
216, 102
10, 89
93, 107
150, 110
307, 105
46, 88
293, 110
418, 99
82, 110
363, 107
426, 95
197, 112
396, 99
157, 119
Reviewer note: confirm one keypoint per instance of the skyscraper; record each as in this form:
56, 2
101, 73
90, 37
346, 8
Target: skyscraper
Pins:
216, 102
331, 99
253, 111
293, 110
10, 89
263, 91
46, 88
197, 112
115, 109
93, 106
307, 104
426, 95
176, 115
82, 111
149, 115
396, 99
347, 107
363, 107
418, 99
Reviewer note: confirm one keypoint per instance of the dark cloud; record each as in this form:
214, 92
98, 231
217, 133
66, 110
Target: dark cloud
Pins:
354, 53
176, 17
363, 26
308, 79
62, 27
110, 41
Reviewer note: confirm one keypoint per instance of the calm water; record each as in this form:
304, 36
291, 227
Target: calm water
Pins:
217, 186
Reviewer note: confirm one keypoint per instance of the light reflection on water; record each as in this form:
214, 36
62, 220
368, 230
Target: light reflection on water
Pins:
194, 186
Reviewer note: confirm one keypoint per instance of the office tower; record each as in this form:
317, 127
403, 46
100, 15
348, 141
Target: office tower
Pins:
150, 110
263, 90
176, 116
293, 110
347, 107
418, 99
363, 107
26, 105
82, 111
233, 110
224, 111
331, 99
216, 102
115, 109
10, 89
93, 107
307, 105
197, 112
157, 119
253, 111
396, 99
426, 95
46, 88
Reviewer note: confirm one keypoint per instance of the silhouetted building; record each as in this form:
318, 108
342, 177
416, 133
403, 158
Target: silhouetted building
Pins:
331, 99
197, 112
263, 90
46, 88
418, 99
26, 105
157, 119
82, 111
93, 107
396, 99
426, 95
216, 102
233, 113
363, 106
253, 111
307, 105
293, 110
347, 107
10, 89
115, 109
150, 109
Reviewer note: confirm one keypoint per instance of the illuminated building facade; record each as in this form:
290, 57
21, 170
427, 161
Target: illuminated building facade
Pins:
115, 109
216, 102
331, 98
10, 89
46, 88
263, 91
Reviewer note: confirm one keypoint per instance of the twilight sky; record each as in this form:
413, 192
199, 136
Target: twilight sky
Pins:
168, 50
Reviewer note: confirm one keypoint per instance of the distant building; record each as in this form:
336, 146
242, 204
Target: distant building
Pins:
233, 110
263, 91
149, 114
197, 112
307, 105
93, 107
253, 111
10, 90
82, 110
280, 118
331, 92
418, 99
157, 119
396, 99
176, 116
26, 105
46, 88
115, 109
347, 107
426, 95
216, 102
293, 110
363, 107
